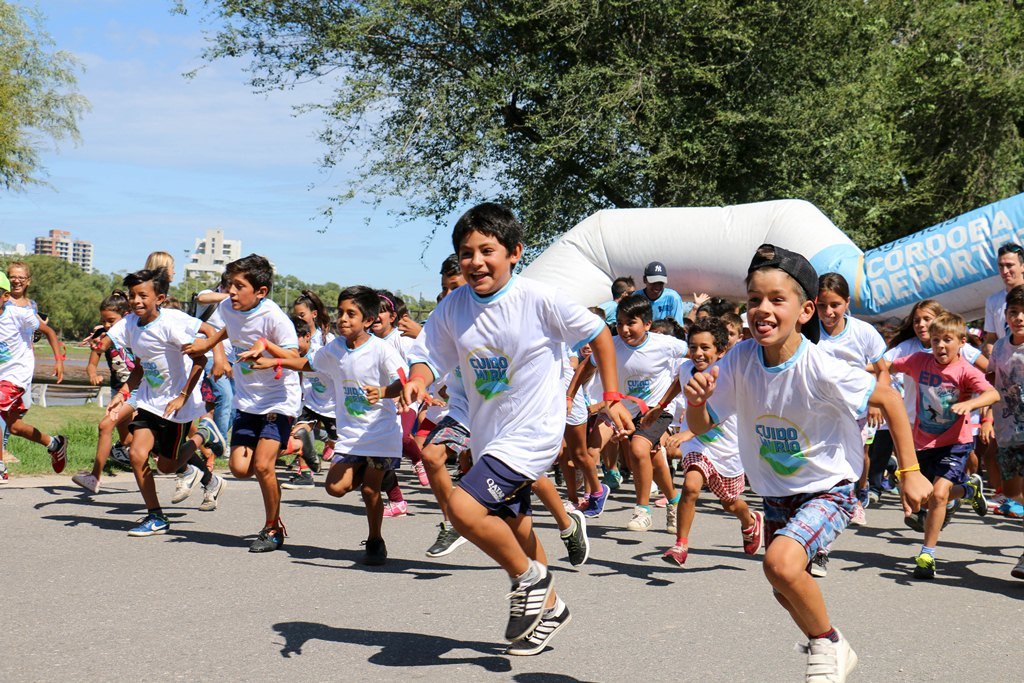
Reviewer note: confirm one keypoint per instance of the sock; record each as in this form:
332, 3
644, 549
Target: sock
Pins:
212, 483
969, 490
571, 530
533, 573
674, 500
52, 446
199, 462
831, 634
555, 608
395, 494
646, 507
926, 550
683, 540
157, 511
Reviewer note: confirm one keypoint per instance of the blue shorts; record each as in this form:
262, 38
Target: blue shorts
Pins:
499, 488
247, 429
947, 462
814, 520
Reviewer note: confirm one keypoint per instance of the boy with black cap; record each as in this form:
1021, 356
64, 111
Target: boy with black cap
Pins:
797, 410
665, 302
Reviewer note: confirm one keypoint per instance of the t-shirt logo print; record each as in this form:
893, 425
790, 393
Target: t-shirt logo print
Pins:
491, 371
151, 373
356, 403
782, 444
639, 387
5, 352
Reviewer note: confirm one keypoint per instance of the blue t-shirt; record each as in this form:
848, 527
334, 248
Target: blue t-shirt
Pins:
611, 309
669, 305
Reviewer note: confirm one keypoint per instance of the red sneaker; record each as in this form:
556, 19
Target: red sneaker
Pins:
753, 536
59, 456
676, 554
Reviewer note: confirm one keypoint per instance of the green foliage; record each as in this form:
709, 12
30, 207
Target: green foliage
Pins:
889, 115
78, 423
37, 96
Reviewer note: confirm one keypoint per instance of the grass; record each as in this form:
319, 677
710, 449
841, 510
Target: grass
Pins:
78, 423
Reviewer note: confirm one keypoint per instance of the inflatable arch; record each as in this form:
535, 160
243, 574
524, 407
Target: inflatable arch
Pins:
708, 249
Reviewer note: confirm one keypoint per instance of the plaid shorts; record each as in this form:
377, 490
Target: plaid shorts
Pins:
727, 489
1011, 461
449, 433
814, 520
376, 462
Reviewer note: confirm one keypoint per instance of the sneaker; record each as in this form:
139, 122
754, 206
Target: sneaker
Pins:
211, 494
978, 502
421, 473
448, 539
873, 498
1014, 510
818, 567
661, 502
828, 662
540, 637
916, 521
376, 552
924, 566
858, 518
212, 437
526, 604
300, 480
268, 540
1018, 571
87, 481
671, 515
151, 525
569, 506
119, 457
996, 503
950, 511
186, 483
595, 505
613, 480
577, 542
328, 454
59, 454
753, 537
641, 520
4, 477
395, 509
676, 554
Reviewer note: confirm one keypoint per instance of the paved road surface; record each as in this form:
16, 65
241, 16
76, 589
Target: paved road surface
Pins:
83, 601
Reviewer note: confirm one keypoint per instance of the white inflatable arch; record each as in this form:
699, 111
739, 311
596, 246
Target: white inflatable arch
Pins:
708, 250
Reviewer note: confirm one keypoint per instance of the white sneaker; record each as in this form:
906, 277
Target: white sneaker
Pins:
186, 483
828, 662
1018, 571
671, 513
859, 517
641, 520
87, 481
212, 494
568, 507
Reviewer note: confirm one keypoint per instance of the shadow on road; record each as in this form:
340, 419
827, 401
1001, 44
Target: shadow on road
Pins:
396, 648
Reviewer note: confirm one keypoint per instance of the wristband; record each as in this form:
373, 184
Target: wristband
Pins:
263, 340
988, 420
916, 467
124, 391
698, 404
613, 396
62, 353
278, 370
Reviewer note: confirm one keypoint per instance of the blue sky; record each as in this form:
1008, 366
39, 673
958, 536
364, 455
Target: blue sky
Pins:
164, 157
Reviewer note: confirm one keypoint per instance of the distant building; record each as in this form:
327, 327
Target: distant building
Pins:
12, 249
211, 254
60, 244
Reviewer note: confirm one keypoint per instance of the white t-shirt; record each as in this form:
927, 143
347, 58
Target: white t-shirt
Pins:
157, 348
317, 389
995, 314
17, 360
859, 344
905, 385
1007, 362
796, 422
399, 342
720, 443
256, 391
509, 348
371, 430
647, 370
456, 406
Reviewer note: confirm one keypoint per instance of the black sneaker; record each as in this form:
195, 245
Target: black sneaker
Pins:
267, 540
119, 457
950, 511
577, 542
818, 567
536, 642
376, 552
916, 521
448, 539
978, 501
527, 605
300, 480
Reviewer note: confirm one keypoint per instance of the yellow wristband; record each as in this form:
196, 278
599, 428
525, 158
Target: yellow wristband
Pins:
912, 468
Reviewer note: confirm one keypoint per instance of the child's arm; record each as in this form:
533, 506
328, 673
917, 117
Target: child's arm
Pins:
297, 363
983, 400
221, 366
986, 428
270, 347
95, 354
374, 394
880, 369
415, 388
655, 411
126, 389
604, 354
207, 298
698, 390
201, 346
584, 371
198, 364
58, 353
915, 489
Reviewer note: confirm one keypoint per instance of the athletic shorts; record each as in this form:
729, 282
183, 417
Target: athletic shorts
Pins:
168, 437
814, 520
1011, 461
248, 428
12, 407
313, 418
727, 489
376, 462
451, 434
499, 488
947, 462
653, 431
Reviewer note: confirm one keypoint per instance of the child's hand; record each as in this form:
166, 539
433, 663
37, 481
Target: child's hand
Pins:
987, 433
875, 418
373, 394
115, 403
915, 490
197, 348
255, 351
260, 362
94, 378
221, 369
700, 299
58, 370
412, 391
650, 416
701, 386
174, 405
409, 327
960, 408
621, 420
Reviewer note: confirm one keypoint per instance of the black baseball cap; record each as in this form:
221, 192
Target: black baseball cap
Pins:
798, 268
655, 272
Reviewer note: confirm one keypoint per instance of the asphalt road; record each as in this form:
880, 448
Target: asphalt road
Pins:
83, 601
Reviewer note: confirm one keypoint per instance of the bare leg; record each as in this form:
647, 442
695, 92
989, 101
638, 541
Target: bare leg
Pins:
373, 501
142, 444
548, 494
796, 590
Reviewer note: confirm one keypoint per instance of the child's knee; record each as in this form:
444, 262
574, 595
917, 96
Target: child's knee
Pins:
369, 493
433, 458
783, 566
337, 489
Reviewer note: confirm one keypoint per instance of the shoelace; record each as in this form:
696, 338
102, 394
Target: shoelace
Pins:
518, 598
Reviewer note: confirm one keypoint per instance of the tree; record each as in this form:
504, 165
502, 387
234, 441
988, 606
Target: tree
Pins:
37, 96
68, 296
889, 115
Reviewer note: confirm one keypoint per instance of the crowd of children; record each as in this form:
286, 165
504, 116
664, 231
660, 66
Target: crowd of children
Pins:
813, 409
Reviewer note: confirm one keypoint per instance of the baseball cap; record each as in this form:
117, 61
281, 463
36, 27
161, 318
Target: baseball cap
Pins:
4, 282
798, 268
655, 272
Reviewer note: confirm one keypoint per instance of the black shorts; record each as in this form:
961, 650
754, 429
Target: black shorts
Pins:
312, 418
168, 437
653, 431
